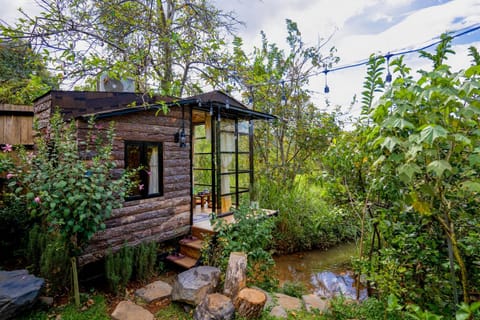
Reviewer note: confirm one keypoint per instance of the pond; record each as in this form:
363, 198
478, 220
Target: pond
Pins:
323, 272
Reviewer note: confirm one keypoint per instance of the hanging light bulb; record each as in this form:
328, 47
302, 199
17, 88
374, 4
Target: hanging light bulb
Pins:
388, 78
227, 104
284, 97
326, 89
250, 97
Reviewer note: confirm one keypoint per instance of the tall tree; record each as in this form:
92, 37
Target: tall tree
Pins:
277, 81
23, 74
162, 44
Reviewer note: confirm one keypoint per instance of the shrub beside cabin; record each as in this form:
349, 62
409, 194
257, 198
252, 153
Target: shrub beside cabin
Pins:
195, 160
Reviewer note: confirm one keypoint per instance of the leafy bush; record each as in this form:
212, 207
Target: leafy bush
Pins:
251, 233
119, 268
145, 260
14, 224
305, 221
48, 256
294, 289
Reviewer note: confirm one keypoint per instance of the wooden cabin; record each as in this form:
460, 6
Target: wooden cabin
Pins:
197, 157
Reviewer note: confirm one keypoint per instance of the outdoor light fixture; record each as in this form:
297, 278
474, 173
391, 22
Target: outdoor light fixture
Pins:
284, 97
227, 104
180, 136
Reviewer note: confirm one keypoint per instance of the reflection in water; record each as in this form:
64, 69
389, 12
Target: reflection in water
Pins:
324, 273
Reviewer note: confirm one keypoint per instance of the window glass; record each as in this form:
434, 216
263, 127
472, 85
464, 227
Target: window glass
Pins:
145, 157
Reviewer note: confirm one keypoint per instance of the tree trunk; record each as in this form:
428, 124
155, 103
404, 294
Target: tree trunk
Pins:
250, 302
236, 277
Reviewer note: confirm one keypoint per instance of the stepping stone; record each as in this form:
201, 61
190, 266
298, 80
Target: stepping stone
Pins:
127, 310
312, 301
155, 291
278, 312
288, 303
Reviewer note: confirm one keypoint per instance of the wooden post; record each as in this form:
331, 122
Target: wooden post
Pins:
250, 302
236, 277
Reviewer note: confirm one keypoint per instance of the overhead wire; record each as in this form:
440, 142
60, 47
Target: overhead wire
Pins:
390, 54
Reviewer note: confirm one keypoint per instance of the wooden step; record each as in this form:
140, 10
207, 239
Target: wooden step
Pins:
202, 233
182, 261
192, 248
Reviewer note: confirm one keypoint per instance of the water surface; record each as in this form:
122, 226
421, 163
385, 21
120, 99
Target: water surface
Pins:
324, 272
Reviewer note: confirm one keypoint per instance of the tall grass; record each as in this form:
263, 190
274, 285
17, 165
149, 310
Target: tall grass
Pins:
305, 219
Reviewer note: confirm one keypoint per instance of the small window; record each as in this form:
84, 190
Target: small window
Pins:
146, 157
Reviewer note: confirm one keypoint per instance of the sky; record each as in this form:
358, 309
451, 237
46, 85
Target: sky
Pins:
358, 29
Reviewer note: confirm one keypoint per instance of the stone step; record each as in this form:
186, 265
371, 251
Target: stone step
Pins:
182, 260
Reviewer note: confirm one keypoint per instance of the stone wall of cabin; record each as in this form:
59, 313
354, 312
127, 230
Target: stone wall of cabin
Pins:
153, 219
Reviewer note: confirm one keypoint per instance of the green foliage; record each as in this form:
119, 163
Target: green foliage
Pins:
410, 173
119, 268
156, 43
14, 225
55, 262
95, 308
251, 233
291, 144
294, 289
145, 260
68, 184
373, 82
23, 75
48, 256
305, 220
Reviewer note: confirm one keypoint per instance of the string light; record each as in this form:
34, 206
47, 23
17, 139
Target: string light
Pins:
388, 78
326, 89
250, 97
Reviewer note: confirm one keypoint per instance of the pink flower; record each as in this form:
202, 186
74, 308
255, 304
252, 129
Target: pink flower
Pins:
141, 186
10, 175
37, 200
7, 148
98, 127
93, 138
149, 173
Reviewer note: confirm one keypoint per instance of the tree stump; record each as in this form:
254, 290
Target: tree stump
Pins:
236, 276
249, 303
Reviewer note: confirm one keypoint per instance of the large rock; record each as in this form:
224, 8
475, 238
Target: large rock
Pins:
278, 312
156, 291
18, 292
193, 285
215, 306
127, 310
312, 301
288, 303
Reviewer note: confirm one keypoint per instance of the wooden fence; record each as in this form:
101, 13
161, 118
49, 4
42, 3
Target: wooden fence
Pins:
16, 123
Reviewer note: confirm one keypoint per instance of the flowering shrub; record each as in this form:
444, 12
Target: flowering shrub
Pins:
68, 184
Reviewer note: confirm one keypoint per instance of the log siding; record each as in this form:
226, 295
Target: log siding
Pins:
157, 218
